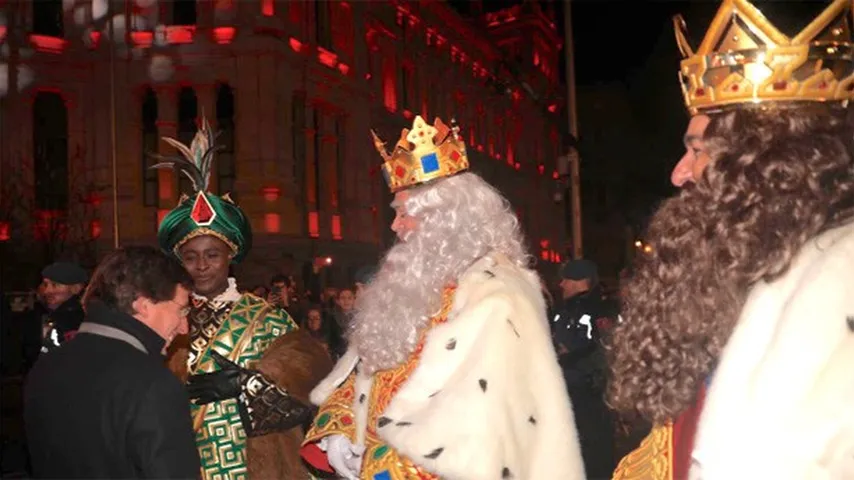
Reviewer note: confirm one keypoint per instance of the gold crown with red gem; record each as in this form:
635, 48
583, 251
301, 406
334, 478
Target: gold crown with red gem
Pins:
744, 59
425, 153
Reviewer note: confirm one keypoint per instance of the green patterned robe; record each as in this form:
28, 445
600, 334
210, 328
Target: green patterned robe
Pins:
241, 331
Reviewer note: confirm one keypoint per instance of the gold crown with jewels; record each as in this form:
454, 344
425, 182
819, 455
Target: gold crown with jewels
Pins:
744, 59
425, 153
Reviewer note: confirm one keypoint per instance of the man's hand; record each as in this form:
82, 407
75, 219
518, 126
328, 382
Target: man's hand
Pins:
220, 385
344, 457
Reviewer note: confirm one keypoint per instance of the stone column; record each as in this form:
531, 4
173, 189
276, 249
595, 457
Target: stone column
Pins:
167, 126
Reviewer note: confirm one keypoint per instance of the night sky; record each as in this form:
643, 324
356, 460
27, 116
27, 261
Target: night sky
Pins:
631, 115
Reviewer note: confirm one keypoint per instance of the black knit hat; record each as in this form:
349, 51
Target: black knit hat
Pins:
579, 270
65, 273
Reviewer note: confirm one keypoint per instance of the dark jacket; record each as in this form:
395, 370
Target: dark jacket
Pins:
98, 407
576, 328
65, 321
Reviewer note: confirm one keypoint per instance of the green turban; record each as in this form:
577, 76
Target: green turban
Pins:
203, 213
206, 214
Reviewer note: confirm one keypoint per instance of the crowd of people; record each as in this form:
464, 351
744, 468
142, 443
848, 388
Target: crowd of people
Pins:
732, 340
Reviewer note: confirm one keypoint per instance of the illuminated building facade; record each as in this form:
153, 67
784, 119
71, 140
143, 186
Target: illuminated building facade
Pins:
293, 86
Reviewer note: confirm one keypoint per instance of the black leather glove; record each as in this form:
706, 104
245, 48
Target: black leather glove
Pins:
225, 383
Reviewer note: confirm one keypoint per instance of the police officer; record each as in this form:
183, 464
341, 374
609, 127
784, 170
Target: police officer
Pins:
60, 290
577, 326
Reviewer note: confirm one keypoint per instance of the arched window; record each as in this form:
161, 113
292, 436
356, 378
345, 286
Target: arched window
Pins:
50, 151
187, 112
183, 12
47, 18
225, 125
149, 146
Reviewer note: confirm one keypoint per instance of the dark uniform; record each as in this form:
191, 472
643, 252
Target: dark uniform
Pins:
577, 329
62, 324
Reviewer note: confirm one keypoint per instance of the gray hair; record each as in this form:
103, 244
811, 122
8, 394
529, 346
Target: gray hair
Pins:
460, 219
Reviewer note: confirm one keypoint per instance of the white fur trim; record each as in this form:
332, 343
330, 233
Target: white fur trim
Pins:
781, 404
336, 377
488, 393
230, 295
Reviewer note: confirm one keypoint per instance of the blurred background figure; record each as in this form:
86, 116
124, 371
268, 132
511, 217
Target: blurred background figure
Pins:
58, 313
577, 326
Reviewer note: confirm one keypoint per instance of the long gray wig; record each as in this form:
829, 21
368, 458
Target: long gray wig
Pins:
460, 219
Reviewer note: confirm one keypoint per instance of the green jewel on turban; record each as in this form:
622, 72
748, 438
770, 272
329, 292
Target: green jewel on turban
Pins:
203, 213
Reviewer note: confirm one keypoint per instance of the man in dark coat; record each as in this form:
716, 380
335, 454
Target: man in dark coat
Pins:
58, 314
577, 327
104, 405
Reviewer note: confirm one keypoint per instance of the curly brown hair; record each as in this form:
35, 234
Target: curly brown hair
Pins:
135, 271
778, 177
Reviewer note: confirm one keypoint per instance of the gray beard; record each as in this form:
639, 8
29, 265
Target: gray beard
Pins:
405, 294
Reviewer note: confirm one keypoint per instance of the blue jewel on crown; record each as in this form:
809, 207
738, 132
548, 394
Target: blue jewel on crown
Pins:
429, 163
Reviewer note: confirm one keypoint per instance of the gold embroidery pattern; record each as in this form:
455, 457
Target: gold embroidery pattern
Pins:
652, 460
246, 330
336, 416
204, 324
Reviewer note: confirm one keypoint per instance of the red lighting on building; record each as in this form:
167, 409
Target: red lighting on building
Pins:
336, 227
344, 68
95, 38
5, 235
142, 39
2, 32
180, 34
272, 222
268, 8
270, 194
50, 225
541, 169
161, 214
295, 44
368, 76
224, 35
544, 254
326, 57
480, 148
544, 243
95, 229
555, 175
517, 166
48, 44
313, 225
553, 108
164, 184
389, 85
407, 115
93, 199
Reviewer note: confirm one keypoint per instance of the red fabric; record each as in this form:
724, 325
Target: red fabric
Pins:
316, 457
684, 430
